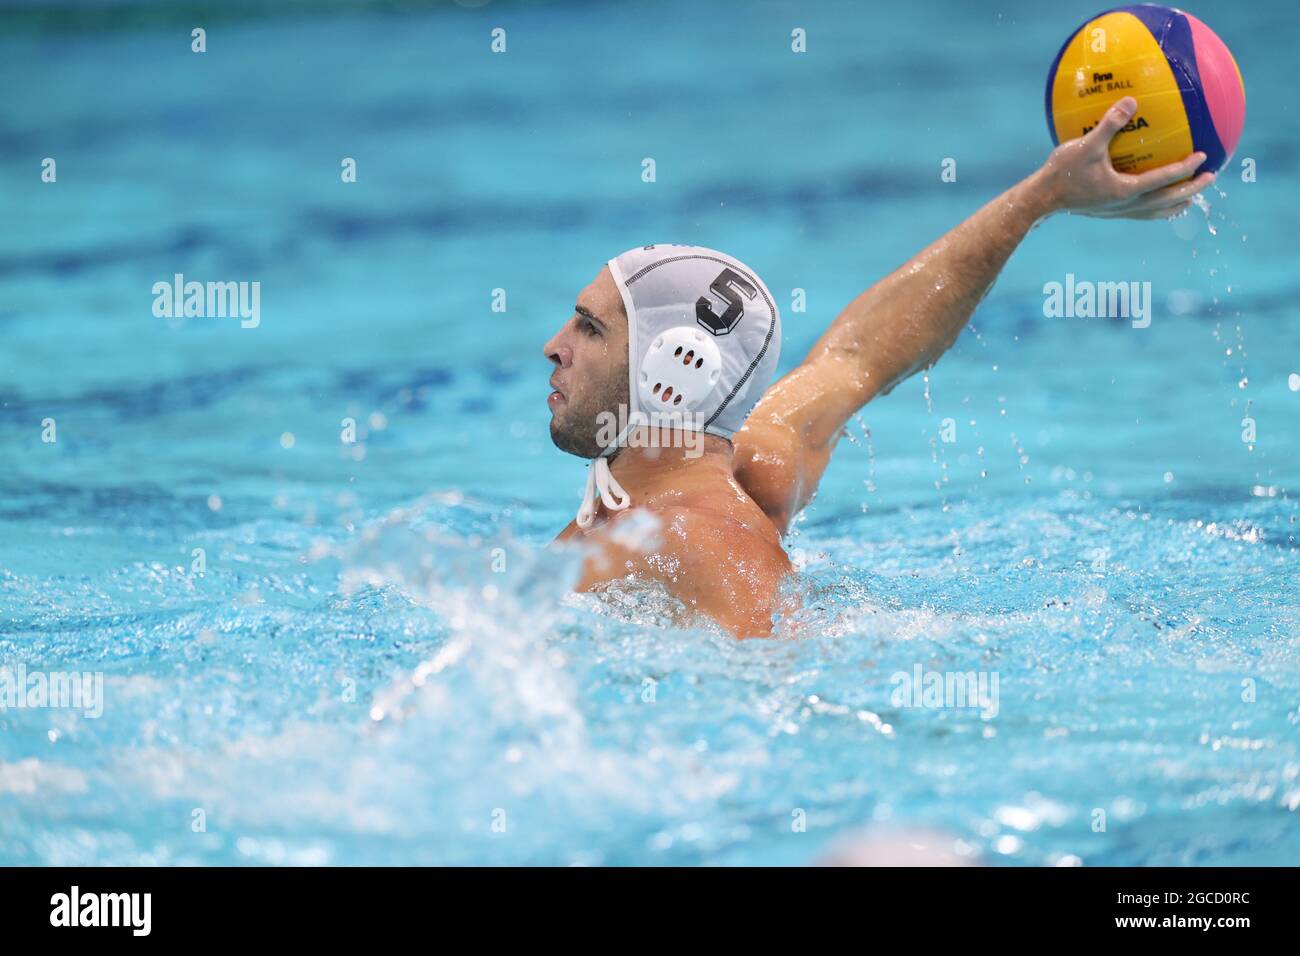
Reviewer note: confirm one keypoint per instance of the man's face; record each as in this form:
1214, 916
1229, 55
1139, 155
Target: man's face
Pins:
590, 376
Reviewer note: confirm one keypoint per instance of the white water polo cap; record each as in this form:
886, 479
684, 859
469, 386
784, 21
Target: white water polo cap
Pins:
704, 337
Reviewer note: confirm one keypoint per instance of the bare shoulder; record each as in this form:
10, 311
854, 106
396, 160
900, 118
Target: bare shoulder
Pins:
702, 532
663, 538
713, 562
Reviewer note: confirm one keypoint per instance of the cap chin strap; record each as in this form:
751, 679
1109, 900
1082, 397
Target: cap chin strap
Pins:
601, 481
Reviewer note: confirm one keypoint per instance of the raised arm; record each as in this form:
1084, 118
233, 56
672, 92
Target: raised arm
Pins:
904, 322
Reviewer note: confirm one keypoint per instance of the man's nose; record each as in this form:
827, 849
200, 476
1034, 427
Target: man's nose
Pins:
561, 355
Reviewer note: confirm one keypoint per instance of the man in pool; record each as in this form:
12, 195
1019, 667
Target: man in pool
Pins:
647, 332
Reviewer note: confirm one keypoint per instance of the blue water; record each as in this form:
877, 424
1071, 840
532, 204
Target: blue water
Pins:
359, 675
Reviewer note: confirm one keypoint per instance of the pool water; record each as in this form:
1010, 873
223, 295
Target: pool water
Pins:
319, 652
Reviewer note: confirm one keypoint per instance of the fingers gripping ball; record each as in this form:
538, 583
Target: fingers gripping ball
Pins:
679, 371
1188, 89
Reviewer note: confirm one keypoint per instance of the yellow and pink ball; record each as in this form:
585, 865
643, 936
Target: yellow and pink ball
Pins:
1188, 88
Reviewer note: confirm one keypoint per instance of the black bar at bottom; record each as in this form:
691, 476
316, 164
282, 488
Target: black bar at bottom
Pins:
350, 906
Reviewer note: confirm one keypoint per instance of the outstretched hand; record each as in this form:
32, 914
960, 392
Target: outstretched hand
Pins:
1083, 180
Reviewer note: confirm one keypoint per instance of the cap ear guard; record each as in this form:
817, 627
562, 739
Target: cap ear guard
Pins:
679, 372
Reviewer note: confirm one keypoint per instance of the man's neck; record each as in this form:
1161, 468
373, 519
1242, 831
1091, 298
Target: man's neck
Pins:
650, 455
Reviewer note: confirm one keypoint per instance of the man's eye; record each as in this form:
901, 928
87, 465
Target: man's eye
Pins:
589, 327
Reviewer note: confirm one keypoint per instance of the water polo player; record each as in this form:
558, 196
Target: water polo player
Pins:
662, 376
